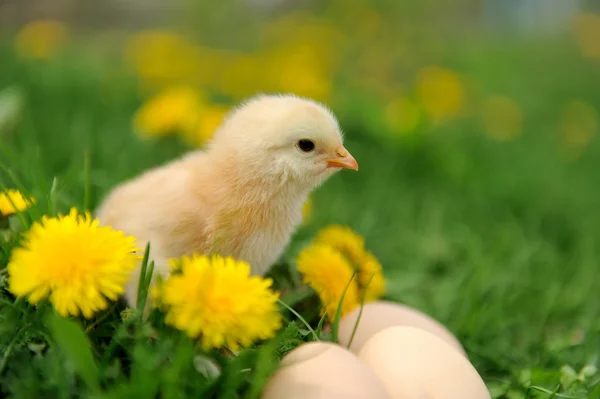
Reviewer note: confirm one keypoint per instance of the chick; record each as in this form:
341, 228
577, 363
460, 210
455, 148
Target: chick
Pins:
242, 195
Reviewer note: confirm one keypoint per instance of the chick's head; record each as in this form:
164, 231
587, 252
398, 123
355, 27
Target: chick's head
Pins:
286, 138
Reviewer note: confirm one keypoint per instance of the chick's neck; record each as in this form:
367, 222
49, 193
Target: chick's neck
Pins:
253, 184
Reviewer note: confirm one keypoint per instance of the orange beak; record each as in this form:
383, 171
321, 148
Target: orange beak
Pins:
343, 160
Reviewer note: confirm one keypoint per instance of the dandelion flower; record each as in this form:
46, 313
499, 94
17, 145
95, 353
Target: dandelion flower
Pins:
371, 282
299, 69
41, 39
20, 202
173, 110
440, 91
586, 31
216, 298
343, 239
209, 119
74, 261
352, 247
328, 273
162, 58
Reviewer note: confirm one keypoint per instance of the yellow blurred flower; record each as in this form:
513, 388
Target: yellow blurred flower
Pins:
163, 58
587, 34
216, 298
299, 70
338, 251
211, 117
243, 75
440, 91
328, 273
174, 110
579, 123
78, 263
208, 120
299, 30
502, 118
10, 197
41, 39
403, 115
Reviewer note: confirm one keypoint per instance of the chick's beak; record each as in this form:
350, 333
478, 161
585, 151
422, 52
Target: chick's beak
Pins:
343, 160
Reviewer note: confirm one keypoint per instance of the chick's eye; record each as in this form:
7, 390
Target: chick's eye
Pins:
306, 145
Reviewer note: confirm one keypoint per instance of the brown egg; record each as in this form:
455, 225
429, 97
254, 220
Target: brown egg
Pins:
413, 363
322, 370
379, 315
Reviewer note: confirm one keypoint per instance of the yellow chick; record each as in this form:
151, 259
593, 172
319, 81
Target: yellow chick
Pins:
241, 196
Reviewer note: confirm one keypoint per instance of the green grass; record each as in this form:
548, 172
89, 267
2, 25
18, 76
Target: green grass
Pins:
498, 241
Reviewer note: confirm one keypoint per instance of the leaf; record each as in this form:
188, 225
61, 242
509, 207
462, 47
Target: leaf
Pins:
72, 341
266, 364
207, 366
568, 376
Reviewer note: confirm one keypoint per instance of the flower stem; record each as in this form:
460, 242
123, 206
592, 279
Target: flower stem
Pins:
285, 305
9, 350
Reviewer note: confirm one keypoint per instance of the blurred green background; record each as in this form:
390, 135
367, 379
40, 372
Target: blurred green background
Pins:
475, 124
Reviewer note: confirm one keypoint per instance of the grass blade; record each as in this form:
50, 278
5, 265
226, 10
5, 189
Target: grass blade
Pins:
52, 197
296, 296
362, 304
338, 313
73, 342
312, 331
320, 325
142, 289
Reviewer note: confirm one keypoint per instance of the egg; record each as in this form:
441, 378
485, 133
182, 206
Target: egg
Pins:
379, 315
323, 370
413, 363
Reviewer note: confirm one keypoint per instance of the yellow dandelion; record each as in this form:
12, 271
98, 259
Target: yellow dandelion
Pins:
587, 34
343, 239
76, 262
41, 39
403, 115
175, 109
502, 118
242, 75
209, 119
162, 58
352, 246
579, 123
20, 202
300, 31
440, 91
299, 69
370, 276
328, 273
216, 298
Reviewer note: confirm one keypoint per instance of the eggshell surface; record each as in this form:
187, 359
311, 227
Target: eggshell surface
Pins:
323, 370
379, 315
413, 363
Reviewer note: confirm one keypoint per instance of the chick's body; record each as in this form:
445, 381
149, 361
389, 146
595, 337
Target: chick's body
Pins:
242, 197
